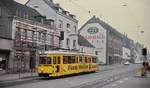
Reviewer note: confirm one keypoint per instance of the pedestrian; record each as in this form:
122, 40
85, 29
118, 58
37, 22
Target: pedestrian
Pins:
142, 72
143, 69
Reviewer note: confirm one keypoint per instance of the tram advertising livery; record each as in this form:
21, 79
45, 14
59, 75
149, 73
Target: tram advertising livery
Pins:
56, 63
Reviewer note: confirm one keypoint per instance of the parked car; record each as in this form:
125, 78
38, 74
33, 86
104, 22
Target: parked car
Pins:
127, 63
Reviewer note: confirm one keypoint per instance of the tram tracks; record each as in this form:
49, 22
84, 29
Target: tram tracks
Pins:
107, 80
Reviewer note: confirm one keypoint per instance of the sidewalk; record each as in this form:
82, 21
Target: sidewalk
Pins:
14, 77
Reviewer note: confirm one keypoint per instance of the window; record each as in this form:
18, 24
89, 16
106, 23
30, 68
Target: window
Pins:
89, 60
93, 60
54, 60
42, 60
67, 43
92, 41
58, 59
80, 59
65, 59
97, 41
74, 43
49, 60
68, 25
86, 60
75, 29
96, 52
69, 59
81, 49
73, 59
60, 24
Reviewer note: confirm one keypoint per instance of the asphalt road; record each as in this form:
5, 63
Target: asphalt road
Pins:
130, 82
92, 80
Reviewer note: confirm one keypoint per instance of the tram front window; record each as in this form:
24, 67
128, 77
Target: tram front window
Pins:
43, 60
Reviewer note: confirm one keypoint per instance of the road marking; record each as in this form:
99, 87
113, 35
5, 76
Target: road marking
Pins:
113, 85
126, 79
120, 81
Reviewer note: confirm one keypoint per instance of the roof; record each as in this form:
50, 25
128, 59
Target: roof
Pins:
57, 6
103, 24
66, 53
14, 6
84, 42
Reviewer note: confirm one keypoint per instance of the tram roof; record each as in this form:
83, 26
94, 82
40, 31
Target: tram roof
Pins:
66, 53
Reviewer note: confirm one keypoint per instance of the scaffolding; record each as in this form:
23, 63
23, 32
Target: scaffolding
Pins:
26, 46
31, 38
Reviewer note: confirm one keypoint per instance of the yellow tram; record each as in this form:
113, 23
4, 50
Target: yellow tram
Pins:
56, 63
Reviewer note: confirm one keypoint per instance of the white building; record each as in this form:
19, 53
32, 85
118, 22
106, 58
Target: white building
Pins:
96, 35
61, 19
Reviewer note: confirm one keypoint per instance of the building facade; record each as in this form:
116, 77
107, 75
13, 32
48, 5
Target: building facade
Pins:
106, 40
31, 34
114, 46
6, 41
62, 19
128, 49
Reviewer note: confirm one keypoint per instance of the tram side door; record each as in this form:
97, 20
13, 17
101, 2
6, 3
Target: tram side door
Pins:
90, 63
56, 63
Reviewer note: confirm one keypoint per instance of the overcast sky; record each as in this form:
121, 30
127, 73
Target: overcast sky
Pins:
127, 16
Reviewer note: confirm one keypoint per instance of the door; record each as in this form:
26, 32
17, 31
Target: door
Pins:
57, 63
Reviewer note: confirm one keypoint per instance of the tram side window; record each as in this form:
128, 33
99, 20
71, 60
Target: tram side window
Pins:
89, 60
54, 60
49, 60
43, 60
58, 59
65, 59
76, 58
73, 59
86, 60
69, 59
80, 59
94, 60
